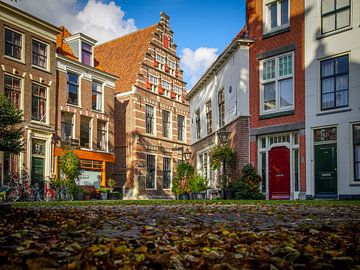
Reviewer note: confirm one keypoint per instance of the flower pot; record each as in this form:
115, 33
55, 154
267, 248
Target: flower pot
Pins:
229, 194
198, 195
172, 94
103, 196
114, 196
160, 90
184, 196
156, 63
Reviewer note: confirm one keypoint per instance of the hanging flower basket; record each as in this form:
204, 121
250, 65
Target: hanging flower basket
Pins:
148, 85
176, 73
167, 69
183, 99
156, 63
160, 90
172, 94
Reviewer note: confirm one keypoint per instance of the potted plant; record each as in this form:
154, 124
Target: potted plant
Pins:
184, 172
222, 157
198, 186
104, 193
113, 195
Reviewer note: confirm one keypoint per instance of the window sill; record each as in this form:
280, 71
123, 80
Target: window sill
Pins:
41, 68
335, 32
276, 32
276, 114
355, 184
96, 111
40, 123
14, 59
347, 109
72, 105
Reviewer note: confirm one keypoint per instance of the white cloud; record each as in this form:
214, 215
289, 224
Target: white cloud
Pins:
195, 63
101, 21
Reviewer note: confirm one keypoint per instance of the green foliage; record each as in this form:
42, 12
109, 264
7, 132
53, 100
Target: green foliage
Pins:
248, 186
222, 157
184, 172
11, 133
198, 183
104, 190
221, 154
70, 166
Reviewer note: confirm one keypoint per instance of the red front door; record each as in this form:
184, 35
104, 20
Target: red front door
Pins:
279, 173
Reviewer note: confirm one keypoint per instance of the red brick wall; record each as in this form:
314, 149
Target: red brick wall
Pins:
295, 35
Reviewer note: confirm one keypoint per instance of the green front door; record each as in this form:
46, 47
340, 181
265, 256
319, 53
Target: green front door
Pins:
325, 171
38, 168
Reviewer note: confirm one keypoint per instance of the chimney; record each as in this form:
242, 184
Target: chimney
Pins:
164, 20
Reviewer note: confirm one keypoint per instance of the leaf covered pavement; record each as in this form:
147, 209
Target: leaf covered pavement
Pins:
181, 236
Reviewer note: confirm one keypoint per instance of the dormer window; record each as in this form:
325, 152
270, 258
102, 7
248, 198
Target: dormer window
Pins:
86, 53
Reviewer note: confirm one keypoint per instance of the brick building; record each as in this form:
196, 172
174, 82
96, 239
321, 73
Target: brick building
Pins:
85, 108
28, 78
151, 114
277, 96
219, 103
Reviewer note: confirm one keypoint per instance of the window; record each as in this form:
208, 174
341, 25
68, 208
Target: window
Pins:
96, 96
356, 142
197, 122
39, 54
85, 132
101, 135
181, 127
166, 123
203, 165
149, 119
13, 44
38, 102
72, 88
66, 126
335, 83
221, 105
166, 173
263, 171
208, 117
325, 134
276, 15
12, 89
335, 15
86, 52
277, 84
150, 177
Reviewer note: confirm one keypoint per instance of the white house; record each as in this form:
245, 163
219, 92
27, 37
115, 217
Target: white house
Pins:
332, 75
219, 101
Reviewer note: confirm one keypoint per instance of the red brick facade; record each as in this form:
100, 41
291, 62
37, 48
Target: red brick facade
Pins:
290, 39
135, 59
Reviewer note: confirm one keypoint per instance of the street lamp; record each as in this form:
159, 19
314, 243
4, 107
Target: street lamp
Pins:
186, 154
223, 136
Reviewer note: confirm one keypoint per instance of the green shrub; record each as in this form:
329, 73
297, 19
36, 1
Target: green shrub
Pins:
247, 188
184, 172
198, 183
70, 167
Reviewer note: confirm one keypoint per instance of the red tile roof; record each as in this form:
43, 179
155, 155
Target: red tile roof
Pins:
123, 56
61, 45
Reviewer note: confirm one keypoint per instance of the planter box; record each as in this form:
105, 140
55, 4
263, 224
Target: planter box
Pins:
114, 196
229, 194
103, 196
184, 196
198, 195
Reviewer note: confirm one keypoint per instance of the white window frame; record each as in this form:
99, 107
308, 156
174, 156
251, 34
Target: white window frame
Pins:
352, 155
277, 79
267, 20
21, 107
102, 83
170, 124
183, 131
155, 173
171, 172
47, 68
22, 58
46, 119
80, 75
154, 119
91, 127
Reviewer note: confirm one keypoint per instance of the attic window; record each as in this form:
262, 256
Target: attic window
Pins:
86, 52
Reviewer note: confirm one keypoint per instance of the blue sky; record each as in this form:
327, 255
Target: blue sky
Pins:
202, 28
